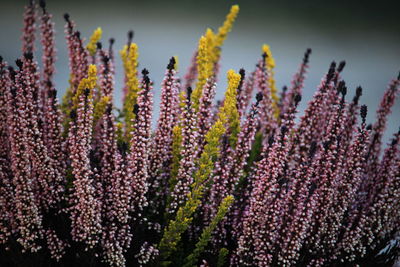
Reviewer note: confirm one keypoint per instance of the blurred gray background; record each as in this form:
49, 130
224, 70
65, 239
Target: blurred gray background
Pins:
364, 33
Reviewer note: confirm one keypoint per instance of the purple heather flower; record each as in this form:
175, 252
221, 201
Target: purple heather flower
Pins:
161, 144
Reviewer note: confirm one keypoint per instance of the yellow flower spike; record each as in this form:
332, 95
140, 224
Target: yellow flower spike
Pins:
184, 216
124, 56
130, 57
203, 69
208, 53
206, 163
269, 60
212, 50
176, 153
100, 108
270, 65
92, 45
92, 76
205, 236
226, 27
229, 109
175, 161
86, 83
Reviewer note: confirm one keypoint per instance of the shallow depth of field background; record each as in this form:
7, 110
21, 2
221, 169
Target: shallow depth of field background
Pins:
364, 33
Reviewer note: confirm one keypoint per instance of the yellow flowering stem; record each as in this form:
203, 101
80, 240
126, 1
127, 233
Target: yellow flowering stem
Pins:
176, 155
230, 107
226, 27
70, 100
203, 69
92, 45
208, 53
212, 49
129, 57
184, 216
205, 237
177, 139
100, 108
86, 83
270, 65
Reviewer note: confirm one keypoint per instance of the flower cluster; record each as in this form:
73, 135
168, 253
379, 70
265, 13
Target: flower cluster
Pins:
241, 181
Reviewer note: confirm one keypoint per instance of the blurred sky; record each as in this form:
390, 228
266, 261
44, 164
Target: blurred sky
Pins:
364, 33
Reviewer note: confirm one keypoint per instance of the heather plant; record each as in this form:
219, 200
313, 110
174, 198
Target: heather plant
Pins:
243, 181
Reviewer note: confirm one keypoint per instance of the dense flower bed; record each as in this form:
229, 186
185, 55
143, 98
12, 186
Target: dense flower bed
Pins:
236, 182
